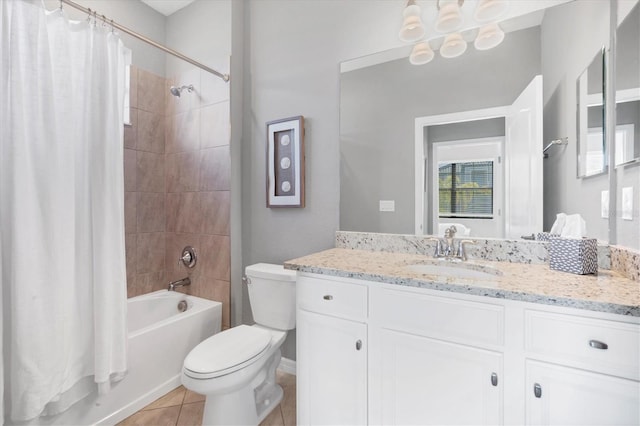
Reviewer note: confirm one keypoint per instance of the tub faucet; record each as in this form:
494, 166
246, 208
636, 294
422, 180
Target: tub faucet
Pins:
179, 283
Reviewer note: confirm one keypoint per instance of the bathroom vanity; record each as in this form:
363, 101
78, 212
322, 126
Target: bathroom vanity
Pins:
379, 342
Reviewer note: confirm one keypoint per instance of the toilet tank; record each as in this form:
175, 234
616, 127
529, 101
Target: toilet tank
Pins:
272, 293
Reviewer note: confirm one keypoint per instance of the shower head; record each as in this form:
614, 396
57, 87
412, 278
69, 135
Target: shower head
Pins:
176, 91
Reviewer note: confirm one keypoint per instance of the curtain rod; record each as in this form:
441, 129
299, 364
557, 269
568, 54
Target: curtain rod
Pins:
132, 33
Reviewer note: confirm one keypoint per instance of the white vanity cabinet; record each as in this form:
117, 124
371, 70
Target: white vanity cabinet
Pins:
581, 370
331, 353
434, 360
437, 357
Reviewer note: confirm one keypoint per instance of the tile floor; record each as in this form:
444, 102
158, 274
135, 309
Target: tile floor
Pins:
182, 407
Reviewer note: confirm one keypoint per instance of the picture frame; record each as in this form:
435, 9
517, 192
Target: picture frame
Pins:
285, 162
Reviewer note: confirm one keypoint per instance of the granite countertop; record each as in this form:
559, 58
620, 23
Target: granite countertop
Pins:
608, 291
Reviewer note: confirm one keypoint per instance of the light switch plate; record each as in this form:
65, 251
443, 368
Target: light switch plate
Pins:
627, 203
604, 204
387, 205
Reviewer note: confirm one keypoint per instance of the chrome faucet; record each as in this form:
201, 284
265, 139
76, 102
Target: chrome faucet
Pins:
179, 283
446, 247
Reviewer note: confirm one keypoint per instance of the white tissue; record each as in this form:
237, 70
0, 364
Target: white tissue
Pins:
569, 226
556, 229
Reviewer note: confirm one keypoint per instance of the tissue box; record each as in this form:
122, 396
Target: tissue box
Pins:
574, 255
545, 236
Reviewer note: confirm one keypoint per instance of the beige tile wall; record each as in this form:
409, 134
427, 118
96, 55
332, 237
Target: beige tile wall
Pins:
177, 190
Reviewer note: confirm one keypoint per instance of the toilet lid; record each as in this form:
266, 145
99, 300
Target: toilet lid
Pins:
220, 353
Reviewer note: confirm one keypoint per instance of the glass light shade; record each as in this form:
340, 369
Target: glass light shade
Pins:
421, 54
412, 28
449, 17
489, 37
453, 46
488, 10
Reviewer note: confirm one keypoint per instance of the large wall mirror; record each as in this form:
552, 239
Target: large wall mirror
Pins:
627, 133
397, 119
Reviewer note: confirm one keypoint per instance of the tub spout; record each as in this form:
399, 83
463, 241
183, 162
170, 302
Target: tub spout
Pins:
179, 283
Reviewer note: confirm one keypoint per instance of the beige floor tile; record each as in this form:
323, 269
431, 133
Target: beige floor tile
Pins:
191, 396
288, 404
191, 414
158, 417
185, 408
173, 398
274, 418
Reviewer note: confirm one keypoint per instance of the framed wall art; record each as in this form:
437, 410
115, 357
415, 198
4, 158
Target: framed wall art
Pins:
285, 162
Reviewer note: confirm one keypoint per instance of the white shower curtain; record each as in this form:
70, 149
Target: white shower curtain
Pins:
61, 208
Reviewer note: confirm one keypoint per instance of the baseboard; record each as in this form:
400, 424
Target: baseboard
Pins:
287, 366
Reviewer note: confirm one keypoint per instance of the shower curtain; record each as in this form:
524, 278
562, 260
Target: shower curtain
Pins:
61, 208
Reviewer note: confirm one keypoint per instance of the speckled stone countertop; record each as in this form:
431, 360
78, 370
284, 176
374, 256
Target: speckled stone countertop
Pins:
609, 291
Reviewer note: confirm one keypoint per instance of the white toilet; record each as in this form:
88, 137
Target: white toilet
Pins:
235, 369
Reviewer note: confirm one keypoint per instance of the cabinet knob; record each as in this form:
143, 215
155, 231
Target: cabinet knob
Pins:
328, 297
358, 344
537, 390
596, 344
494, 379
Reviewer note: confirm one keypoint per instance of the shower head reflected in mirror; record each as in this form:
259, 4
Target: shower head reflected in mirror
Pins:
176, 91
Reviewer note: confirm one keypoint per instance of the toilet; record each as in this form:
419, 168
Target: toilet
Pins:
236, 369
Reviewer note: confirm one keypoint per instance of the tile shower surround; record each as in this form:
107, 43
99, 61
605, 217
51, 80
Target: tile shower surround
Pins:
177, 190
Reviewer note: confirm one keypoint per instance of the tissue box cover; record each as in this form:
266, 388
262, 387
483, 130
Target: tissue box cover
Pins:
545, 236
574, 255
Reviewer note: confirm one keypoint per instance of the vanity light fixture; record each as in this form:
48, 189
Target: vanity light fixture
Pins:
488, 10
449, 15
453, 46
489, 37
449, 21
412, 28
421, 54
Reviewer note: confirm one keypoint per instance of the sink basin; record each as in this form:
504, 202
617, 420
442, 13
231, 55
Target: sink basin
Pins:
455, 270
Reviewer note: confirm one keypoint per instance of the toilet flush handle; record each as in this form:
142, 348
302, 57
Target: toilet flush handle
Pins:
246, 280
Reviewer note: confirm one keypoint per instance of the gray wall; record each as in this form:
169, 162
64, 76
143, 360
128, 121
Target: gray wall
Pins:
293, 49
202, 31
380, 103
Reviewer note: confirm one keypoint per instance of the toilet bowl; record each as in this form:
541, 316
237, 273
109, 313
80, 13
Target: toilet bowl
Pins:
235, 369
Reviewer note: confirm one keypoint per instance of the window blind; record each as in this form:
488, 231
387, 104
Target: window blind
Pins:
466, 189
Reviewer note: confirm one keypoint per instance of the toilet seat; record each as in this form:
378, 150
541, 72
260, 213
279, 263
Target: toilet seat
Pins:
226, 352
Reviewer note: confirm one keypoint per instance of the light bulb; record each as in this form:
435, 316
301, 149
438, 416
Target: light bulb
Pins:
412, 28
453, 46
488, 10
421, 54
489, 37
449, 17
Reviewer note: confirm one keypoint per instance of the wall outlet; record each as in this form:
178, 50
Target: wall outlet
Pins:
627, 203
387, 205
604, 204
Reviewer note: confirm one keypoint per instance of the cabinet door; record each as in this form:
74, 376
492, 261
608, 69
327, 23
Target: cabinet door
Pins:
568, 396
431, 382
332, 370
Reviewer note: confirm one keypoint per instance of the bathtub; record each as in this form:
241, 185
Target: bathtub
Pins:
160, 337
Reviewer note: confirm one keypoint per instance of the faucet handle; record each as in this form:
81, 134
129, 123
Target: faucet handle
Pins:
438, 252
462, 254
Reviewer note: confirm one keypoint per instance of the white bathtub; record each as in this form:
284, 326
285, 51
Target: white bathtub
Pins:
160, 337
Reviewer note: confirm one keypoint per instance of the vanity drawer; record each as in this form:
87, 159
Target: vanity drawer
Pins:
444, 318
606, 346
330, 297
